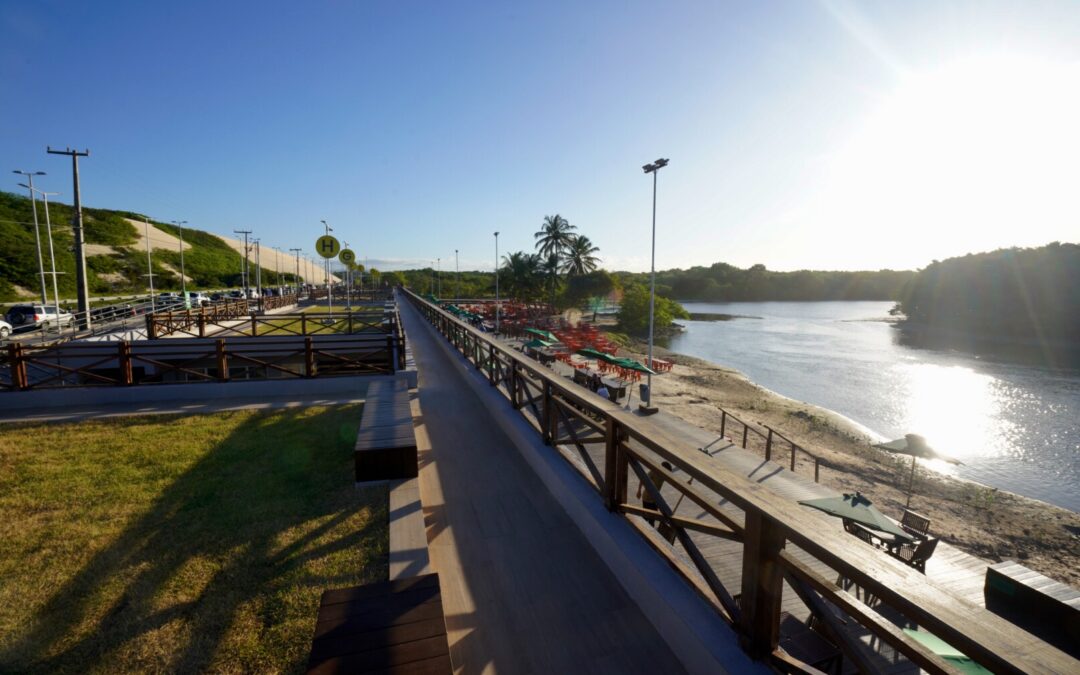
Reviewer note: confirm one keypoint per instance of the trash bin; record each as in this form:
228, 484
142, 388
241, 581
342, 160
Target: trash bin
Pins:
643, 392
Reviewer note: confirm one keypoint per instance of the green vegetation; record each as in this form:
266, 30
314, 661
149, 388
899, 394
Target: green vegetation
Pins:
209, 262
722, 282
179, 543
1017, 294
634, 311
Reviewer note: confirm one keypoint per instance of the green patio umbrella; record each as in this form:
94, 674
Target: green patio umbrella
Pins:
591, 353
916, 446
859, 509
946, 651
550, 337
631, 364
537, 343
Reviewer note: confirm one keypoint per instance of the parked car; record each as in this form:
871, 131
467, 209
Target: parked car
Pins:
29, 317
217, 297
112, 312
236, 295
5, 330
198, 299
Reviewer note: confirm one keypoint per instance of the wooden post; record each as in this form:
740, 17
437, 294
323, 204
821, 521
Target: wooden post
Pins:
491, 365
254, 326
611, 463
548, 414
151, 327
303, 324
222, 361
126, 374
515, 394
202, 325
762, 585
817, 469
309, 358
723, 422
792, 456
768, 446
745, 430
18, 366
390, 353
350, 323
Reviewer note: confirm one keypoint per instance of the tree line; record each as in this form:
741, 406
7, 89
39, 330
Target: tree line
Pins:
1014, 293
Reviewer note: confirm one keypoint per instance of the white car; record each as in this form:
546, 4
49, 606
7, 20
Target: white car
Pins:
5, 330
198, 299
39, 316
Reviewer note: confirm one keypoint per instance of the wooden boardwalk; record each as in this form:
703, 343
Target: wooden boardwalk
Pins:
522, 589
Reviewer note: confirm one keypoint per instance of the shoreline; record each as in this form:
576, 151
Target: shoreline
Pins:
986, 522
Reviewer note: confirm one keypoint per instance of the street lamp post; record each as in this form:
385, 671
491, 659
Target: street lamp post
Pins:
296, 281
438, 263
654, 169
457, 273
183, 276
149, 266
497, 304
37, 228
48, 232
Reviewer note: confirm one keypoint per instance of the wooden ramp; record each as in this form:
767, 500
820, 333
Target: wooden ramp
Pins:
522, 590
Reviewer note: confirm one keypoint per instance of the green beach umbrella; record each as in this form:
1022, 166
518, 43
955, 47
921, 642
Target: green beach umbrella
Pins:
537, 343
542, 334
946, 651
591, 353
631, 364
916, 446
859, 509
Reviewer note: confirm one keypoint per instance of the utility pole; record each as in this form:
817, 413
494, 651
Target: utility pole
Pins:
37, 228
296, 281
183, 275
82, 288
244, 274
497, 283
348, 280
457, 272
439, 263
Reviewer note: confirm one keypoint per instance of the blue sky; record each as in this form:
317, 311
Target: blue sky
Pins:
824, 135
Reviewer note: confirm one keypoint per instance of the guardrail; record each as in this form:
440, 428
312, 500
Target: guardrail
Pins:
781, 542
766, 440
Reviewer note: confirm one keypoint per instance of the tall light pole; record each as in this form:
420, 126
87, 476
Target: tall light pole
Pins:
349, 280
37, 228
82, 287
183, 276
457, 273
326, 271
48, 231
149, 265
654, 169
244, 274
497, 307
258, 271
438, 263
433, 278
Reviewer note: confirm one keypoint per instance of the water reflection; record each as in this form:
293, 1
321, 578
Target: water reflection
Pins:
1012, 424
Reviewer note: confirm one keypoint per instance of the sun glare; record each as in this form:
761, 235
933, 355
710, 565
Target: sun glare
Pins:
975, 154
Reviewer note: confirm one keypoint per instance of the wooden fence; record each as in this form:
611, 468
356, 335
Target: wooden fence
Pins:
780, 540
750, 438
195, 323
126, 363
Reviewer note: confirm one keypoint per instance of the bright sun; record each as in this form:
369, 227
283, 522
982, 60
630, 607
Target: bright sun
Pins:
973, 155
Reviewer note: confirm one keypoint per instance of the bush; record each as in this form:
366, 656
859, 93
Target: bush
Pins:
634, 311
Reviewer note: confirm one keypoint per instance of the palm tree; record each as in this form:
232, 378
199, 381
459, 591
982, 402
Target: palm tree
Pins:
549, 268
579, 257
520, 274
554, 236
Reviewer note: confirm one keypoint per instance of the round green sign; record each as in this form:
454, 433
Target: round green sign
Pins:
327, 246
347, 256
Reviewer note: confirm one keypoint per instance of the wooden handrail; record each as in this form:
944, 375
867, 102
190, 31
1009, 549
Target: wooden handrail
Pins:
772, 524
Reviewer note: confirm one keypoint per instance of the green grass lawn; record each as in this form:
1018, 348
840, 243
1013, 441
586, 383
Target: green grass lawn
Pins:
180, 543
293, 326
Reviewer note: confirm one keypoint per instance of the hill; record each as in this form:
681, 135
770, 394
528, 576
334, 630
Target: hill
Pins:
116, 253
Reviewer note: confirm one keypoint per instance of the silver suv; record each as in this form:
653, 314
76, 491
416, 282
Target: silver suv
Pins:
29, 317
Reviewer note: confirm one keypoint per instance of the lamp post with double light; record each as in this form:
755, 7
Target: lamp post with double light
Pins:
654, 169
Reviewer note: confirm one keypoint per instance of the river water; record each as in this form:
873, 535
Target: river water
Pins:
1014, 426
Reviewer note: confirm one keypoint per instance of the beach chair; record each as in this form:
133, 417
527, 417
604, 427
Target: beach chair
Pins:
916, 554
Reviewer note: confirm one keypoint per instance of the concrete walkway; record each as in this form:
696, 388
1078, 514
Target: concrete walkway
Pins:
524, 592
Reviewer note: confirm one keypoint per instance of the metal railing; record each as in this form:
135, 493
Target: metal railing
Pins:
780, 541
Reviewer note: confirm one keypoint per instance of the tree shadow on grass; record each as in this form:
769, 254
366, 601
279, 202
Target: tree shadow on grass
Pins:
268, 513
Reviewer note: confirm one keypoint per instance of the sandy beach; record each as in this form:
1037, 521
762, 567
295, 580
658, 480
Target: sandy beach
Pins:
992, 524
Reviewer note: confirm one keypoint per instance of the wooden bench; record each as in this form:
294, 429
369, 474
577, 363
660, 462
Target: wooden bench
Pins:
386, 443
1036, 603
916, 524
394, 626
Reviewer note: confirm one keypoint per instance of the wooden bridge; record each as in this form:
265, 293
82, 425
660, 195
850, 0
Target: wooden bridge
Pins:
745, 545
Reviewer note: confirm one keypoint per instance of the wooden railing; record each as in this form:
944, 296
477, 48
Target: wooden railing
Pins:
269, 302
126, 363
747, 437
197, 324
781, 541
